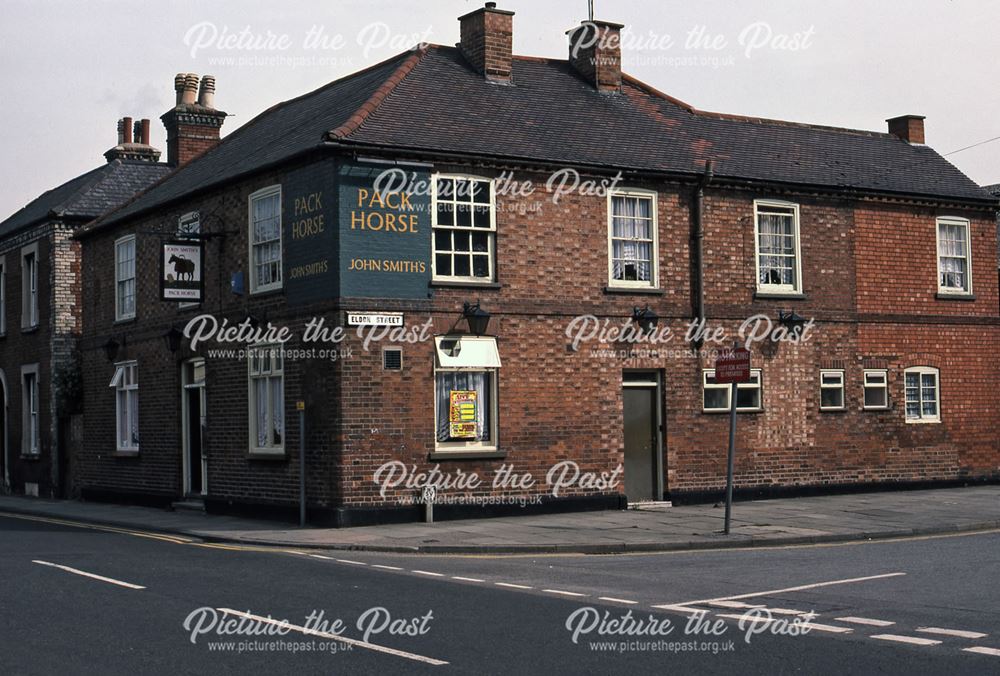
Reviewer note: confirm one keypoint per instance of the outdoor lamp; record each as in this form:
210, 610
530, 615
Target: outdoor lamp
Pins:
173, 338
792, 321
477, 317
645, 318
111, 349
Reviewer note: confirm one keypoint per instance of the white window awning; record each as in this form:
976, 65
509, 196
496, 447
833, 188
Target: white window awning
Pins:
466, 352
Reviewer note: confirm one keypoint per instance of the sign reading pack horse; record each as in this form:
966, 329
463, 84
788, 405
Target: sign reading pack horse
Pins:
182, 266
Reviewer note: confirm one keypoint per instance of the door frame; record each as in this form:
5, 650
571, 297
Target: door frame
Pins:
186, 430
656, 384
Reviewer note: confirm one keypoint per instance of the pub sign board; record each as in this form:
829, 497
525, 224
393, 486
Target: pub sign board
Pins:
309, 234
182, 271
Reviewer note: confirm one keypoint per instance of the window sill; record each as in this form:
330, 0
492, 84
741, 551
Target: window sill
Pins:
125, 454
923, 422
834, 410
642, 290
266, 455
728, 411
125, 320
266, 292
777, 295
876, 409
31, 456
438, 456
30, 329
459, 284
954, 296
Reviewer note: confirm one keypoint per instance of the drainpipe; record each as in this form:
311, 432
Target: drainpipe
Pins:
699, 237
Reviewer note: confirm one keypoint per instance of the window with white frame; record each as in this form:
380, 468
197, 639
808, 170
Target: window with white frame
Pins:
267, 400
30, 429
831, 390
125, 278
876, 389
464, 229
632, 239
922, 394
777, 247
3, 295
265, 239
125, 383
29, 286
465, 393
715, 395
954, 258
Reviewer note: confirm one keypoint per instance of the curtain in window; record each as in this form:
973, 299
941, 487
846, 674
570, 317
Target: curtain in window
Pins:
631, 238
475, 381
776, 233
260, 403
133, 418
277, 412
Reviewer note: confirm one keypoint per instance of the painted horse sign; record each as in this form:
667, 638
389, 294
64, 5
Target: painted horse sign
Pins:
182, 272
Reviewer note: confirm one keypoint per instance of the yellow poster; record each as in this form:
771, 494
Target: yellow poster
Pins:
462, 414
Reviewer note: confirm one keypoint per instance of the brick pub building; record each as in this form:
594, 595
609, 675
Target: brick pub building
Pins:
878, 240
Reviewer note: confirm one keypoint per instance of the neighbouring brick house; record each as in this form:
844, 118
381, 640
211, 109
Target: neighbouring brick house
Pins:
40, 310
874, 236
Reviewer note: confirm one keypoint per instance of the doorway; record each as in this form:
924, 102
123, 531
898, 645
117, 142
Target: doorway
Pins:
643, 459
193, 410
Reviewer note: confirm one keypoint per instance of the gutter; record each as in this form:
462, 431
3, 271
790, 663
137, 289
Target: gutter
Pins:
699, 237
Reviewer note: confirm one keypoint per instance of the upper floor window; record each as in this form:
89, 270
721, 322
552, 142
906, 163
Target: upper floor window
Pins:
632, 235
267, 399
125, 278
265, 239
125, 383
464, 229
29, 286
779, 269
922, 397
954, 269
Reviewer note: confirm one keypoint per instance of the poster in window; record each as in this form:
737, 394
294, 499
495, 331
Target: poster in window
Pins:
182, 272
462, 414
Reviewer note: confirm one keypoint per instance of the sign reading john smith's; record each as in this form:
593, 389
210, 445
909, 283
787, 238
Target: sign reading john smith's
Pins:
385, 233
182, 268
310, 235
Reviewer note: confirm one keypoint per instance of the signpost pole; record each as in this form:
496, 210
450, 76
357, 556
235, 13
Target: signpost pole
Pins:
732, 368
301, 406
731, 458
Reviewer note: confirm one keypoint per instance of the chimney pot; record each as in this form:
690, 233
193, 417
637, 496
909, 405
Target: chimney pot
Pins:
910, 128
190, 92
121, 131
127, 130
179, 87
487, 36
206, 95
144, 130
595, 52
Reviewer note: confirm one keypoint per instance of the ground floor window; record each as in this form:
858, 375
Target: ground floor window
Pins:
267, 400
715, 396
922, 399
831, 390
876, 386
30, 430
125, 383
465, 393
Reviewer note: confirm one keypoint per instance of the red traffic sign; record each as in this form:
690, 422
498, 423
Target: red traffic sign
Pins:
733, 366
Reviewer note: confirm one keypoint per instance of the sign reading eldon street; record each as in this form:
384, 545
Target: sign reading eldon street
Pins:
733, 366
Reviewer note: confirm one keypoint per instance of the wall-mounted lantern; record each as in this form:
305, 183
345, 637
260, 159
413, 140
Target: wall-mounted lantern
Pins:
645, 318
478, 318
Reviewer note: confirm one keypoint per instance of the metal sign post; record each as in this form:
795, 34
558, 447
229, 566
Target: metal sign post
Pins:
300, 406
733, 368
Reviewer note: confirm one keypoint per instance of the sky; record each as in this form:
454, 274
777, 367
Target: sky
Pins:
72, 68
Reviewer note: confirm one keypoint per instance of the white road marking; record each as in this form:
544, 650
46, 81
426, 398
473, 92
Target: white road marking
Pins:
784, 611
384, 567
758, 619
772, 592
466, 579
564, 593
353, 563
982, 650
427, 572
512, 585
614, 600
680, 608
951, 632
335, 637
320, 556
865, 620
92, 576
733, 604
828, 628
915, 640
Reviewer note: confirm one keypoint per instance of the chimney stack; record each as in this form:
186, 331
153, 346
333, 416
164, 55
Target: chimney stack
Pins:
595, 52
910, 128
193, 123
133, 148
487, 36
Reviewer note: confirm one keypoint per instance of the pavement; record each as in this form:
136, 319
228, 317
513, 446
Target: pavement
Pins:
834, 518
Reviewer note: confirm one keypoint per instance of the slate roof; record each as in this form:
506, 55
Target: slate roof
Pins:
431, 100
87, 196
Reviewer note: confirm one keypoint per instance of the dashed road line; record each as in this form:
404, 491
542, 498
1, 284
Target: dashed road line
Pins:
466, 579
614, 600
829, 628
564, 593
983, 650
353, 563
83, 573
320, 556
511, 585
951, 632
913, 640
865, 620
385, 567
427, 572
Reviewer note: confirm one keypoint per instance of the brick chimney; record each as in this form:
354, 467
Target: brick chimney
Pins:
910, 128
487, 41
193, 123
133, 147
596, 54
